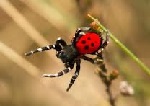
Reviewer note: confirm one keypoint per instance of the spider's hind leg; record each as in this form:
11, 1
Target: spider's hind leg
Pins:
61, 73
76, 74
68, 68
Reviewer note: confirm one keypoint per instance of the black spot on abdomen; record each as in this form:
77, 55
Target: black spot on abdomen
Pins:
83, 41
88, 38
86, 47
92, 44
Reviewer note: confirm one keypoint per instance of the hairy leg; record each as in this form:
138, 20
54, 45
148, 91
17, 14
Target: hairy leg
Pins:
61, 73
76, 74
58, 47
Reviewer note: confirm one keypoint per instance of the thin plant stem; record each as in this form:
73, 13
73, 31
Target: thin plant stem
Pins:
122, 46
106, 78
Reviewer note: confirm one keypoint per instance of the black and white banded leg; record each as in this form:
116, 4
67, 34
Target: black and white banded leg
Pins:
48, 47
76, 74
58, 47
88, 59
61, 42
105, 43
81, 31
61, 73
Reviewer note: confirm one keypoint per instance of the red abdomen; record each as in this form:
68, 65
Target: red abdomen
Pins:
88, 43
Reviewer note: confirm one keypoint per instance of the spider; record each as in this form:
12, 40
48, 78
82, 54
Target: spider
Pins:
85, 41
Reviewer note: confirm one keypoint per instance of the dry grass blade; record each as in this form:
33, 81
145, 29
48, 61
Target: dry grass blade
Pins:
50, 14
23, 23
100, 27
32, 70
26, 65
12, 55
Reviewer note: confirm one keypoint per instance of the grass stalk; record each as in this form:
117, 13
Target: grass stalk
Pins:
22, 22
121, 45
54, 17
12, 55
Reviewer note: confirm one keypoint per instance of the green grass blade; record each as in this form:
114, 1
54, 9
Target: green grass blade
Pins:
122, 46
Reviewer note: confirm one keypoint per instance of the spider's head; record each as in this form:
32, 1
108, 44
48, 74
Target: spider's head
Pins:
67, 54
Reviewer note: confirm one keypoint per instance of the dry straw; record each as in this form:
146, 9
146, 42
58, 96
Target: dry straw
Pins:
22, 22
12, 55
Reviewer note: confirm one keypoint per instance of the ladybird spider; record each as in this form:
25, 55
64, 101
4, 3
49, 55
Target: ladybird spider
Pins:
85, 41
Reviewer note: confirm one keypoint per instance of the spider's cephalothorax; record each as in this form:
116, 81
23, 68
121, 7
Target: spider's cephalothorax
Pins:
67, 54
85, 41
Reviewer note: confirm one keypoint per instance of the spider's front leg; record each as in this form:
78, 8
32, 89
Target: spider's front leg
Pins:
48, 47
76, 74
59, 42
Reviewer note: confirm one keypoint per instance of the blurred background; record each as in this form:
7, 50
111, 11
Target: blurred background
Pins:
28, 24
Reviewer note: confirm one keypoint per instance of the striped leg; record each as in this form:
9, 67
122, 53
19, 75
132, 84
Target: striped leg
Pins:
58, 47
105, 43
76, 74
60, 41
61, 73
88, 59
79, 32
48, 47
